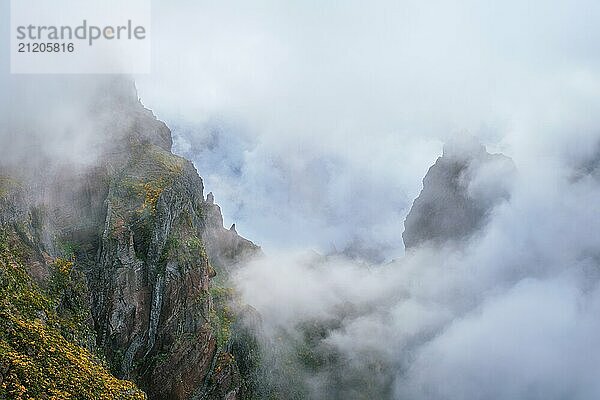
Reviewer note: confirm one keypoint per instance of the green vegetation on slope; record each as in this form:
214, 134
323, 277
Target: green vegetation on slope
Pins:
39, 357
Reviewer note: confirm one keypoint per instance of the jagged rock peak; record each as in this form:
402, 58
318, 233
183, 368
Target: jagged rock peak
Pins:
136, 225
125, 118
459, 192
210, 198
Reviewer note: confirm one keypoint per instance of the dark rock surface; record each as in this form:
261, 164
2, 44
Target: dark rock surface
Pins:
452, 204
148, 243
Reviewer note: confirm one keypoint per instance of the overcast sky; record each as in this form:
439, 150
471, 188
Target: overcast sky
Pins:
314, 122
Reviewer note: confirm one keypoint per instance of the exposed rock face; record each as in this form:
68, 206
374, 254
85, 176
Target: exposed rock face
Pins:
47, 346
224, 247
459, 191
148, 244
12, 207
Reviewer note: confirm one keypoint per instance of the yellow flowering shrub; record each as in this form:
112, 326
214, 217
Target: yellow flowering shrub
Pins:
36, 360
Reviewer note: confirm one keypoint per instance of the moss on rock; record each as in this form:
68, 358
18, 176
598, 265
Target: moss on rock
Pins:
37, 361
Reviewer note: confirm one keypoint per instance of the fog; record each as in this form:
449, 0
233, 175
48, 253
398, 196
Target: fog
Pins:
334, 112
509, 314
314, 124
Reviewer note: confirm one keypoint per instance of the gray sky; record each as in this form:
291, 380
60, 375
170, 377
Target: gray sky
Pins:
321, 120
314, 123
328, 114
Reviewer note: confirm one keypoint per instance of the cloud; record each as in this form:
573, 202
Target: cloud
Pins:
326, 118
508, 314
314, 125
337, 110
536, 342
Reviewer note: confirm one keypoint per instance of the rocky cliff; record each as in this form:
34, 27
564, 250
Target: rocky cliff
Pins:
143, 244
454, 202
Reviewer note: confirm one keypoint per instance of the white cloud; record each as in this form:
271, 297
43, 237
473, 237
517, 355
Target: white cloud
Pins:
370, 90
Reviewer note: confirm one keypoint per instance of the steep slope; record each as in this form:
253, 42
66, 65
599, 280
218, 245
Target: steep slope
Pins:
46, 346
453, 204
138, 230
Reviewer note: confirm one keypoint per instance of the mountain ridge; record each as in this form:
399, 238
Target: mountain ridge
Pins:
146, 243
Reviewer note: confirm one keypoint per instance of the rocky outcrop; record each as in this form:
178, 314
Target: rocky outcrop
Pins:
224, 247
459, 191
47, 346
148, 244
